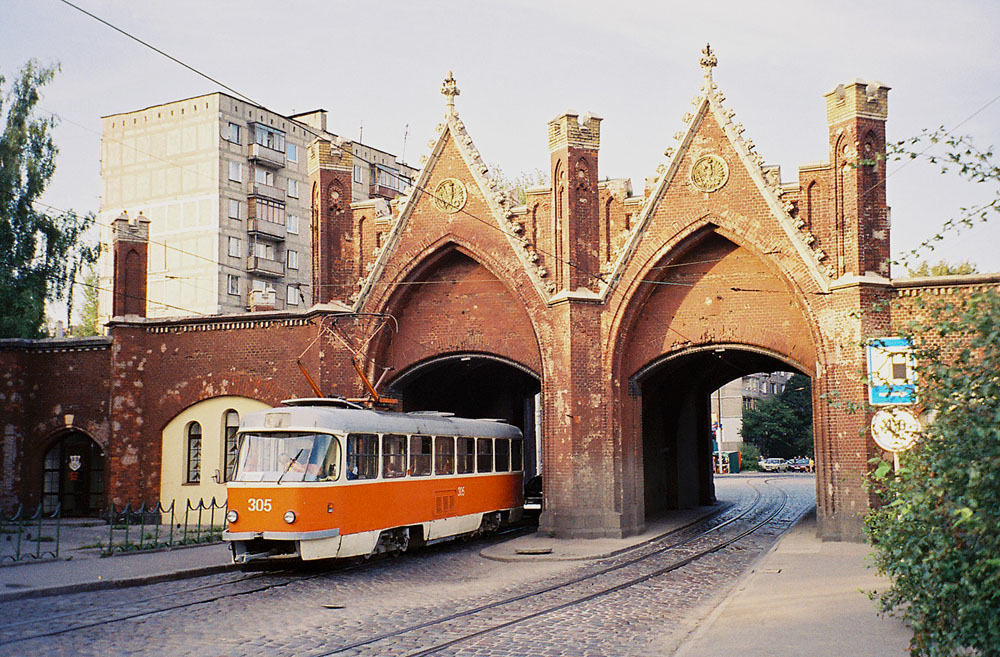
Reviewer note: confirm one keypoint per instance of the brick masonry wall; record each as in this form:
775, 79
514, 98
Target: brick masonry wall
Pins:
50, 387
705, 269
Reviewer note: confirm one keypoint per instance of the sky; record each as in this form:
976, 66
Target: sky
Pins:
379, 67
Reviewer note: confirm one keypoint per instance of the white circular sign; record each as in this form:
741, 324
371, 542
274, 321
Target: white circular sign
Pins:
895, 430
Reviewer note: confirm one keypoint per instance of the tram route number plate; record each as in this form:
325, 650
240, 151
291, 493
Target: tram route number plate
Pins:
259, 504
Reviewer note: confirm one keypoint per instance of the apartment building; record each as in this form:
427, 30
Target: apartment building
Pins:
224, 185
729, 401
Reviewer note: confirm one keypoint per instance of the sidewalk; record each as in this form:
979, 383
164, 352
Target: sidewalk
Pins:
803, 598
131, 569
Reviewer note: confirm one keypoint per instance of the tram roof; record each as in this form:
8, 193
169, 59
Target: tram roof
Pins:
363, 420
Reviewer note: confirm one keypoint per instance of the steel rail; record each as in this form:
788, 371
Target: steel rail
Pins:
565, 583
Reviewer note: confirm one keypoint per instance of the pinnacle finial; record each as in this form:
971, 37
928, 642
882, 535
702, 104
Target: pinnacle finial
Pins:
449, 89
708, 61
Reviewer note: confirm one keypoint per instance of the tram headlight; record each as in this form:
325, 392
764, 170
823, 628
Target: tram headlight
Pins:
289, 517
232, 516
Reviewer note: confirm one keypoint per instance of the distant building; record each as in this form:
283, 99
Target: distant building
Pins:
729, 402
225, 188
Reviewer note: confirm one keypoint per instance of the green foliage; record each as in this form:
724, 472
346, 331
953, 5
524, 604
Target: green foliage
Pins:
39, 254
88, 313
516, 188
942, 268
749, 457
781, 426
937, 533
961, 157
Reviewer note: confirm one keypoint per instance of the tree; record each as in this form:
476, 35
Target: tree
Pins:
40, 254
961, 157
88, 313
781, 426
942, 268
937, 533
516, 188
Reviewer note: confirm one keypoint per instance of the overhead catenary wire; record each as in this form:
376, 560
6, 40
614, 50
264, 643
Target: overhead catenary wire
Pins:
612, 289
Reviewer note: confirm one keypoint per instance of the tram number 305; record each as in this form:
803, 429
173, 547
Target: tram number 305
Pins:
258, 504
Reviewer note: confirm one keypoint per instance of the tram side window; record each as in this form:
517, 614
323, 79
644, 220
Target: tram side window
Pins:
393, 456
516, 457
484, 455
420, 456
501, 449
444, 455
466, 455
362, 456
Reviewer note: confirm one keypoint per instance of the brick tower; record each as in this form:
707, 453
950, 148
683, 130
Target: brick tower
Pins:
130, 247
330, 169
859, 221
573, 145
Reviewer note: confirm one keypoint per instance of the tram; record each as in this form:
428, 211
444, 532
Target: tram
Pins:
326, 478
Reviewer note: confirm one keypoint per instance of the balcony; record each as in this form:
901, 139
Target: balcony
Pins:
267, 155
266, 228
265, 267
267, 191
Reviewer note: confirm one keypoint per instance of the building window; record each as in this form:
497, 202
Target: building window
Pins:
292, 295
234, 133
232, 445
357, 173
233, 284
293, 224
269, 137
293, 153
263, 250
292, 259
263, 176
193, 453
234, 209
293, 188
235, 172
267, 210
234, 247
258, 285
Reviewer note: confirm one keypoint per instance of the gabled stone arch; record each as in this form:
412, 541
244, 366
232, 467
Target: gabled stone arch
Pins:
412, 285
686, 239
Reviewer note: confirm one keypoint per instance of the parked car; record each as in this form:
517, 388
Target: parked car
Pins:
533, 497
800, 465
774, 465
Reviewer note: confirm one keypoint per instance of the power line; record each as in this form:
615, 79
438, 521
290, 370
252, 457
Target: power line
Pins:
308, 129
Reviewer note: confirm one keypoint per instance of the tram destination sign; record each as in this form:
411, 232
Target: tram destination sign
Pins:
891, 375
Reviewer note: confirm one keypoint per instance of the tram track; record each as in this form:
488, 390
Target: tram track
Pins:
262, 582
266, 575
620, 561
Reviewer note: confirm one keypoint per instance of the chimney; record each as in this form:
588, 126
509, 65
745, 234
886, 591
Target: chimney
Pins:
130, 246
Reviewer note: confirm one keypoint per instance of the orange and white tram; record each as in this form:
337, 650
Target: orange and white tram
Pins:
323, 478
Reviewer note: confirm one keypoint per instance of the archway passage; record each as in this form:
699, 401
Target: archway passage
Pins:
476, 386
73, 476
676, 420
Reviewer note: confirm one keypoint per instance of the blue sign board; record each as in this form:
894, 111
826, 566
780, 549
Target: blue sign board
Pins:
891, 375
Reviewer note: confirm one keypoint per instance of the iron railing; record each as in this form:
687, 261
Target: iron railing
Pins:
22, 534
129, 528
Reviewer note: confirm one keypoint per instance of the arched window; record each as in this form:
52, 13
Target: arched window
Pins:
193, 453
232, 425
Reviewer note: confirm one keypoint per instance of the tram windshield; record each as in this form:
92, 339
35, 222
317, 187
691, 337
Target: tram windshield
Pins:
273, 456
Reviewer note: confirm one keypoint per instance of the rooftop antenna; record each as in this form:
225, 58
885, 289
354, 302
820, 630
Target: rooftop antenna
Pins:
361, 133
406, 131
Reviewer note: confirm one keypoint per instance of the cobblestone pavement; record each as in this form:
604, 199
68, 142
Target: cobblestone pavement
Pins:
320, 612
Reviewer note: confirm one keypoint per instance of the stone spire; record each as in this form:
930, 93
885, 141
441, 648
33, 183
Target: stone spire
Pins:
708, 62
449, 89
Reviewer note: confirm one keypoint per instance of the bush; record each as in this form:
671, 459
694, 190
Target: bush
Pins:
749, 457
937, 533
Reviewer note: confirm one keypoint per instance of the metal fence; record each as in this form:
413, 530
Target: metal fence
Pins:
32, 536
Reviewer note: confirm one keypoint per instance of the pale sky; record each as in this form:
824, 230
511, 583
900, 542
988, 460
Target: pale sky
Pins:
520, 63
